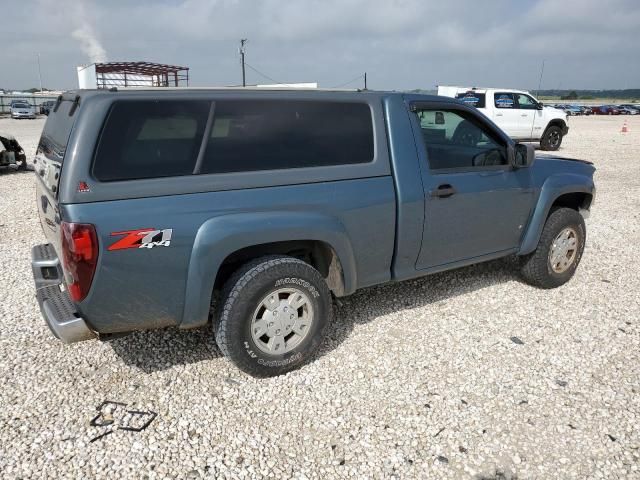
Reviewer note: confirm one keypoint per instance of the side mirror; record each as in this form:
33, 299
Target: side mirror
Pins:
539, 106
523, 155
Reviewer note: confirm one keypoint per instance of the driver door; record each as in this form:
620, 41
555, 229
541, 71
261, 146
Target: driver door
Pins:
476, 204
528, 112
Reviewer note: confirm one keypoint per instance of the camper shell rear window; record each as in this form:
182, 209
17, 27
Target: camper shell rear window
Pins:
152, 139
57, 129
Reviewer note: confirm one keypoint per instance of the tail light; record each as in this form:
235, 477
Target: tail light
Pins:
79, 257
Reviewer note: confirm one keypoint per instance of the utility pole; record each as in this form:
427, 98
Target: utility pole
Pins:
39, 72
365, 80
243, 42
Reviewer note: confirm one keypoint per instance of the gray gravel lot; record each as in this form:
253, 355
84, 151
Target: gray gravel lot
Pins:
422, 379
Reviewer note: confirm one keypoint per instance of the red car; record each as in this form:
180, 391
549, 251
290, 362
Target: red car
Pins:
605, 110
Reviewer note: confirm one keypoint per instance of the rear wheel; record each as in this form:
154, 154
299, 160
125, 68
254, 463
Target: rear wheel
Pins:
552, 138
274, 314
559, 250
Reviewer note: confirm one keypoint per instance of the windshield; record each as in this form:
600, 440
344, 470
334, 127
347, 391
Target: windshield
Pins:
20, 105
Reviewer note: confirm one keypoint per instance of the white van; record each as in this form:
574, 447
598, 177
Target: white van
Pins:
517, 112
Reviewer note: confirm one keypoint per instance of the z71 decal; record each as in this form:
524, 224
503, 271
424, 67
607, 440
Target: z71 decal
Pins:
142, 238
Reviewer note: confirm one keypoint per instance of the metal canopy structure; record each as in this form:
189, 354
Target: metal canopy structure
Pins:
140, 74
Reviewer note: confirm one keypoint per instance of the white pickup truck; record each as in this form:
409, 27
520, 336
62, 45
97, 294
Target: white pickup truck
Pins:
517, 112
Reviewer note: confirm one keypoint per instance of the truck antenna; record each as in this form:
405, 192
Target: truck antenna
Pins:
540, 81
533, 123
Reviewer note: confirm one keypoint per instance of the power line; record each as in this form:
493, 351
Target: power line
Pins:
265, 75
359, 77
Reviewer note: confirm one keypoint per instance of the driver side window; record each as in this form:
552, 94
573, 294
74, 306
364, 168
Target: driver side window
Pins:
454, 141
525, 102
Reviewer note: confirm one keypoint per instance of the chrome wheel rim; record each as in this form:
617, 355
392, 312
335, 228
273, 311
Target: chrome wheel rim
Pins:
281, 321
554, 138
563, 250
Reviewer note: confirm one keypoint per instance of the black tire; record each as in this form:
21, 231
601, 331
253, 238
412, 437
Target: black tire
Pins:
242, 296
551, 138
536, 267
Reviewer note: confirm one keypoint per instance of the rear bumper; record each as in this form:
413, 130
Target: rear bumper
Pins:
57, 309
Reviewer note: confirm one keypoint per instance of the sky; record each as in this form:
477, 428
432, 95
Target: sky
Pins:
401, 44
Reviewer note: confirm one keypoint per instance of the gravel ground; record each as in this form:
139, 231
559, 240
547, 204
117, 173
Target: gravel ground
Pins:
466, 374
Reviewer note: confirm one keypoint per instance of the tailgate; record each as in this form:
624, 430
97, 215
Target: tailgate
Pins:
48, 203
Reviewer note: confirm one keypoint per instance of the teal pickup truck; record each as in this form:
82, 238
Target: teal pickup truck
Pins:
268, 203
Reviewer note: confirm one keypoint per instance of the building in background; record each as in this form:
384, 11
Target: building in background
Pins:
132, 74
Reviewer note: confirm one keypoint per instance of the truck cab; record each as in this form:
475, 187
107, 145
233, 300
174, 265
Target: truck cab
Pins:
517, 112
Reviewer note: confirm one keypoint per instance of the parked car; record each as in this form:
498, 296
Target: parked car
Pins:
46, 107
572, 110
624, 110
22, 110
605, 110
158, 205
586, 110
11, 152
517, 112
632, 106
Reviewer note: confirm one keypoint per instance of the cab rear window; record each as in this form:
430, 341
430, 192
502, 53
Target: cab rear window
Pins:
472, 98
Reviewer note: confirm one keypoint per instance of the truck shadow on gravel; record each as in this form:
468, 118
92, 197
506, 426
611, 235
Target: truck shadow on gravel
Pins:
156, 350
162, 349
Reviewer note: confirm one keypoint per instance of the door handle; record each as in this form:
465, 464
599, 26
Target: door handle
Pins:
443, 191
499, 114
524, 115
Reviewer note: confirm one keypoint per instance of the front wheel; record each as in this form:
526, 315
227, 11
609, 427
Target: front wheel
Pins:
274, 314
551, 138
559, 250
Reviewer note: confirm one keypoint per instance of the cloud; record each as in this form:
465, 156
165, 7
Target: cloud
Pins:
400, 43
